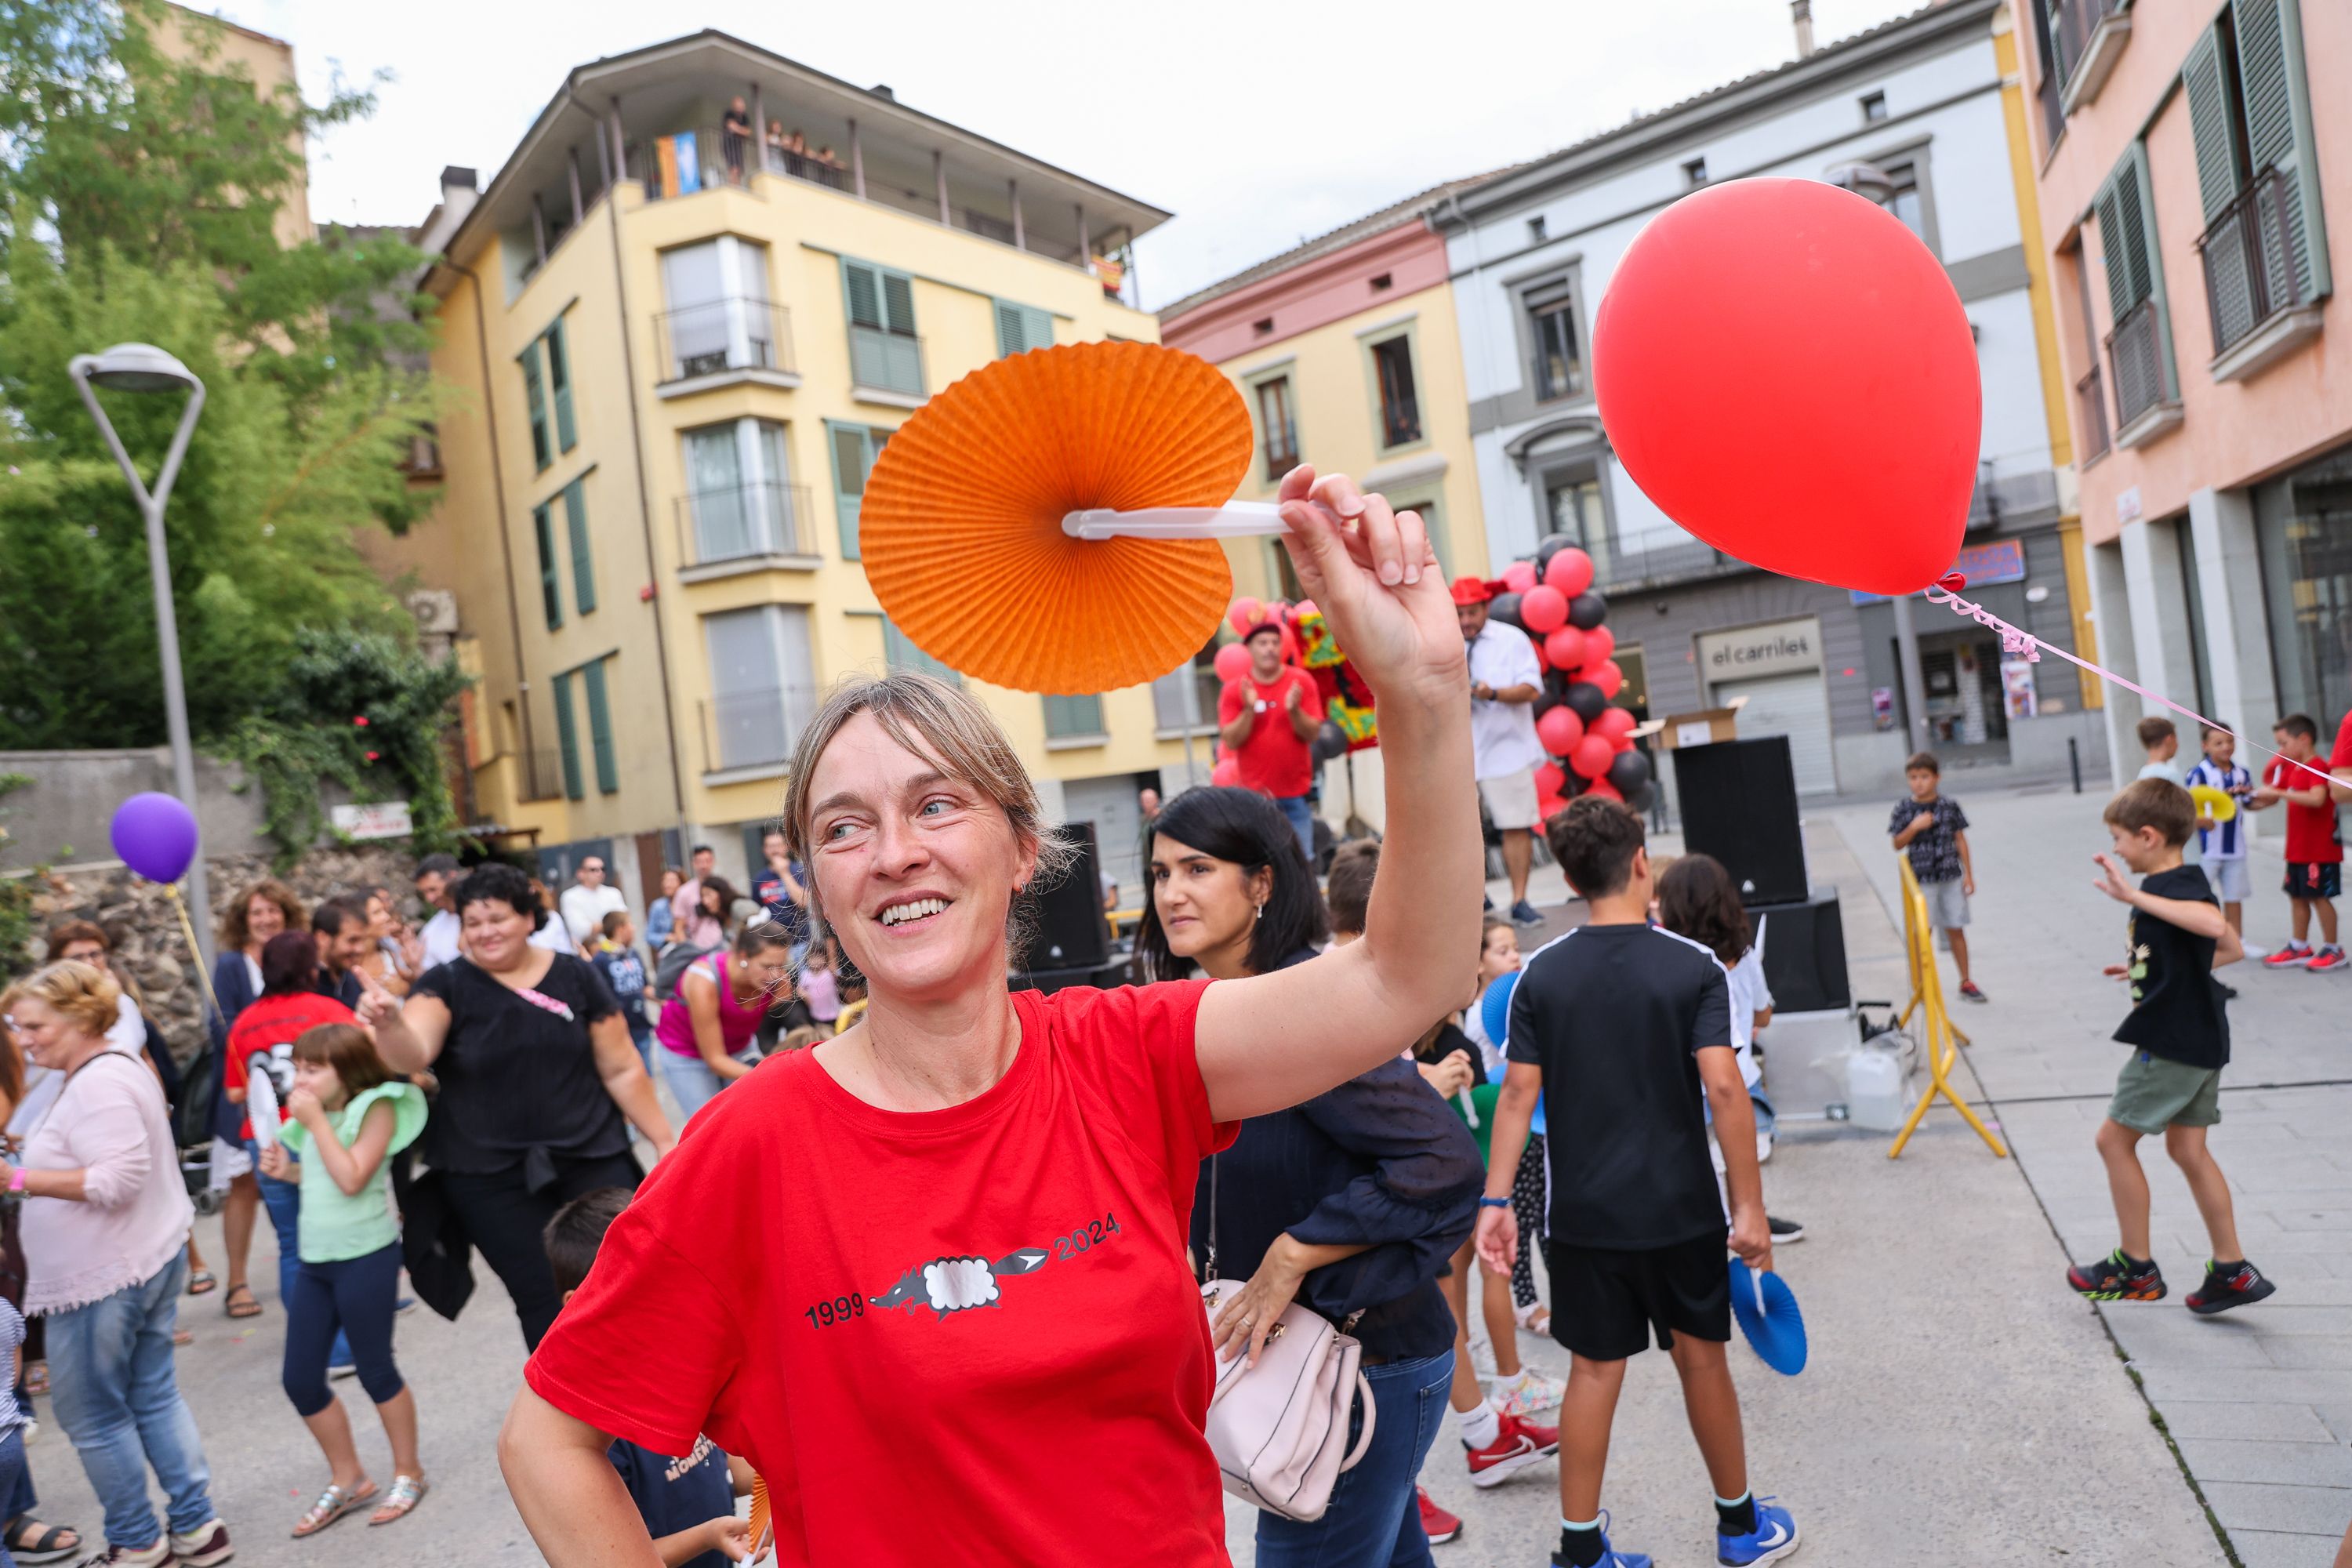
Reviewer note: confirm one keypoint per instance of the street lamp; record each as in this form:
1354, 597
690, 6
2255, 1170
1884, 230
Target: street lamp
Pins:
142, 367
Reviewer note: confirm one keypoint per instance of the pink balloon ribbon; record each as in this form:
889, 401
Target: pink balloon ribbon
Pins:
1946, 591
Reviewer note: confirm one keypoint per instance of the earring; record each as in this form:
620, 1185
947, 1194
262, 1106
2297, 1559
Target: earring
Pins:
1261, 911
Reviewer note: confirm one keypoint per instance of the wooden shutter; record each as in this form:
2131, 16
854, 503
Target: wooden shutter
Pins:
550, 587
600, 728
583, 568
1069, 717
1020, 328
864, 284
2210, 111
567, 738
534, 386
2275, 91
898, 304
850, 459
559, 377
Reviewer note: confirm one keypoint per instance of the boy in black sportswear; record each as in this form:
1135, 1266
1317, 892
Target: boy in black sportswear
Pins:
1626, 1030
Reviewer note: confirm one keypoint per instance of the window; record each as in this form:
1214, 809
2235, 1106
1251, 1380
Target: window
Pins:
739, 497
1073, 718
559, 382
1695, 171
534, 388
718, 317
1383, 282
884, 353
567, 739
1536, 227
1559, 351
2090, 392
1433, 520
600, 729
1902, 198
899, 653
855, 447
1572, 507
583, 568
1263, 327
1874, 107
1020, 328
762, 685
1278, 431
2139, 342
1400, 407
550, 585
1186, 697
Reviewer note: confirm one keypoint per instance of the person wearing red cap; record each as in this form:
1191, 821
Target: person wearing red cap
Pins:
1504, 681
1265, 720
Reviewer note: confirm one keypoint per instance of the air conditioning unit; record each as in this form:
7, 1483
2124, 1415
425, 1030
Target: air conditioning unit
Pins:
436, 610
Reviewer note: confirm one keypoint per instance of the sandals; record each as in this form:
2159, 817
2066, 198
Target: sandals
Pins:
1536, 1318
54, 1544
201, 1282
332, 1504
241, 1302
406, 1492
183, 1336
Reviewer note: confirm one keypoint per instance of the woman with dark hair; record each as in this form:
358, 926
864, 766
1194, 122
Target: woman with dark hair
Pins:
712, 917
707, 1030
263, 909
539, 1083
1349, 1202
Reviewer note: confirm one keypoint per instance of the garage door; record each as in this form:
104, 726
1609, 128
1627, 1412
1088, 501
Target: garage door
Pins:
1792, 705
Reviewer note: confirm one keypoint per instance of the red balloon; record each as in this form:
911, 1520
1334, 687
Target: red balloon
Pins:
1623, 743
1245, 613
1606, 676
1604, 789
1233, 662
1599, 644
1550, 780
1571, 572
1543, 610
1519, 576
1589, 759
1543, 661
1289, 646
1550, 806
1559, 731
1226, 774
1786, 370
1616, 723
1565, 648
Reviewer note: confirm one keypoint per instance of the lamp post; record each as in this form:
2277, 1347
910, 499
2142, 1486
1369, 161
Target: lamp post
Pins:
142, 367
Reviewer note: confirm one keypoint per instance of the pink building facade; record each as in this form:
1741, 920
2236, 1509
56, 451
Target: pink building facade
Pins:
2196, 191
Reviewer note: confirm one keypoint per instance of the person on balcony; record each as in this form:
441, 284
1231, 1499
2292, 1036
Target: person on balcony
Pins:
735, 138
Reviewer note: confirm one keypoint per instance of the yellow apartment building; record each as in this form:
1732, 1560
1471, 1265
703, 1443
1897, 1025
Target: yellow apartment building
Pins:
673, 336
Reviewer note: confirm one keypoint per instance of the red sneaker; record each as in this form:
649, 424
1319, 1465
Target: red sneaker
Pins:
2292, 956
2327, 959
1440, 1525
1518, 1445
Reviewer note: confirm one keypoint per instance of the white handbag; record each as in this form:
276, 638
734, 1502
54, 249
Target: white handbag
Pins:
1279, 1429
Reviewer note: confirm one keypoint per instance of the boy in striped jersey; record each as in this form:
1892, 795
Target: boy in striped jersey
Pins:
2222, 844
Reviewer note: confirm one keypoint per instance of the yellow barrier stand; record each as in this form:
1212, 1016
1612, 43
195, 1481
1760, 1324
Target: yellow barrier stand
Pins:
1940, 1037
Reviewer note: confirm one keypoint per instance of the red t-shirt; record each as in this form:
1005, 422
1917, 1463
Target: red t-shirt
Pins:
268, 1028
2311, 837
967, 1336
1273, 760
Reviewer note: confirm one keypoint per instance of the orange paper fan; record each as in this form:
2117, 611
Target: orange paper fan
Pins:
961, 526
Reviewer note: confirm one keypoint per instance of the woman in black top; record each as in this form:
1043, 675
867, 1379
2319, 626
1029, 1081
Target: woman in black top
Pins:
1349, 1204
540, 1082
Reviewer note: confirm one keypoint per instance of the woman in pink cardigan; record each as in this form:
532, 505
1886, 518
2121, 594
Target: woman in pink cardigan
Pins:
105, 1217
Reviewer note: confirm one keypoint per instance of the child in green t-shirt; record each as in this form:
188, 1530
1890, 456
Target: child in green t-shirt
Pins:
349, 1116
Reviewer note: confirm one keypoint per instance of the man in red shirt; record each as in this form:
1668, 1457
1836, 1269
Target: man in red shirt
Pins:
2315, 851
1266, 719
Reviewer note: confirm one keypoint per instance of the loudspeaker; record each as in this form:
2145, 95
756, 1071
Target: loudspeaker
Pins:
1804, 953
1071, 932
1740, 804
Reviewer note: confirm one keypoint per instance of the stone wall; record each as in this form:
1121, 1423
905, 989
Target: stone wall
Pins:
149, 946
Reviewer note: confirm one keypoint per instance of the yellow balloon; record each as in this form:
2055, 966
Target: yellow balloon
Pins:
2213, 803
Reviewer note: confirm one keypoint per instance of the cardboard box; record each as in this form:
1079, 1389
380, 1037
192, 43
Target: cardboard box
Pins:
1701, 729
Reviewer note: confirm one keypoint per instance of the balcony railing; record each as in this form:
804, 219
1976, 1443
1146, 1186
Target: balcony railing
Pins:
1400, 421
1281, 451
2091, 408
719, 335
891, 362
2073, 24
540, 774
2136, 356
682, 162
1617, 565
743, 521
2249, 272
755, 728
832, 176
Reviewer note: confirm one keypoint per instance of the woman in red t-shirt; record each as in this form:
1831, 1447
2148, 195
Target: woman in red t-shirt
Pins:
929, 1277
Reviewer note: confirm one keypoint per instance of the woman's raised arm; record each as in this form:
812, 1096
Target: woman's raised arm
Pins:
1273, 1040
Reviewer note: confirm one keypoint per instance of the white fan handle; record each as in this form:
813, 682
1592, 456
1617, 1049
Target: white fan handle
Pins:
1234, 519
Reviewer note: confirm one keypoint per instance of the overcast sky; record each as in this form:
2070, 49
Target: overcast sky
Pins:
1257, 122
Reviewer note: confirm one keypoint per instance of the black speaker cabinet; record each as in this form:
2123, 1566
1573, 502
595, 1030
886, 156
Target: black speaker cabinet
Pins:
1072, 932
1804, 953
1740, 804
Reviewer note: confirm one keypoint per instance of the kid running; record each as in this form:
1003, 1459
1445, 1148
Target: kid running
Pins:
2175, 936
1624, 1030
348, 1115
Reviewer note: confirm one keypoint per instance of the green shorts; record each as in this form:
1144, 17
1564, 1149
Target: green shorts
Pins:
2152, 1093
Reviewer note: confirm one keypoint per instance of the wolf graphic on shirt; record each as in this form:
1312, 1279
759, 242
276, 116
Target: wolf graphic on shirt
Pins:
959, 1284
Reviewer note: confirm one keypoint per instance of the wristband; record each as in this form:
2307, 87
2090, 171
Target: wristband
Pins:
1485, 1203
16, 1180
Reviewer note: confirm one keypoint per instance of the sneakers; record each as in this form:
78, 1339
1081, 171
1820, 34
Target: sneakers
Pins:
1610, 1556
2327, 960
1518, 1445
201, 1547
1967, 989
1529, 1391
2116, 1278
1435, 1522
342, 1369
2241, 1286
1774, 1537
1784, 1230
156, 1556
2293, 955
1524, 913
1763, 1146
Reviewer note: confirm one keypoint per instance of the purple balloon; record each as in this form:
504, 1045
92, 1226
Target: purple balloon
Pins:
155, 836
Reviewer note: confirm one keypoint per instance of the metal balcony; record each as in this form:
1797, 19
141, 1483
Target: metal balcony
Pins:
2135, 352
744, 521
717, 336
2249, 253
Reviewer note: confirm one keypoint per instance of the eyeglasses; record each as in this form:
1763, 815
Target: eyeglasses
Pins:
592, 865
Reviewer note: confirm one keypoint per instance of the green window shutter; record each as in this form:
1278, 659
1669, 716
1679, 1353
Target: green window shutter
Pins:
2275, 90
583, 567
899, 653
568, 738
898, 304
534, 386
2132, 219
1012, 329
559, 377
551, 586
850, 460
600, 728
864, 284
1069, 717
2210, 114
1040, 329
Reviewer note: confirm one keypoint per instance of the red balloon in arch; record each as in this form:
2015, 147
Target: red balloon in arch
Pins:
1607, 676
1550, 806
1605, 790
1550, 779
1233, 662
1571, 572
1543, 610
1589, 759
1599, 644
1559, 731
1226, 774
1245, 613
1786, 370
1519, 576
1616, 723
1565, 648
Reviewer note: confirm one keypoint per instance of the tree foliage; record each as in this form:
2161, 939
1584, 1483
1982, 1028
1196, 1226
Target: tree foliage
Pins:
141, 189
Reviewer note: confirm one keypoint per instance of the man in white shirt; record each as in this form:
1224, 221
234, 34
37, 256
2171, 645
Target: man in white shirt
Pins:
1504, 681
436, 888
588, 900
